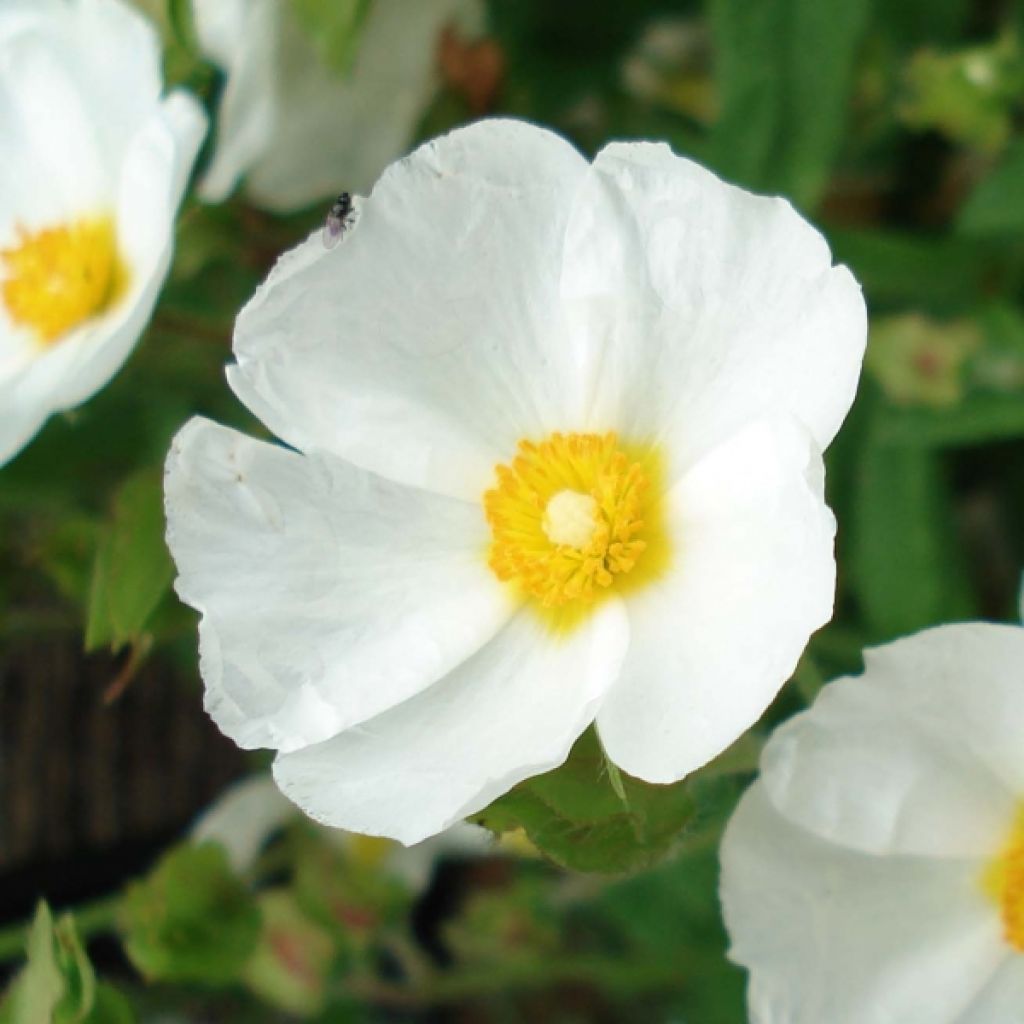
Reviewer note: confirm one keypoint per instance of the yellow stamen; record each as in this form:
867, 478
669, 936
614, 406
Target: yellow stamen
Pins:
573, 515
1004, 882
56, 279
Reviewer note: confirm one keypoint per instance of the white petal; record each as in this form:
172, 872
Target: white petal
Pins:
328, 595
243, 818
860, 770
921, 754
830, 935
752, 575
152, 180
427, 343
334, 131
241, 37
511, 711
1002, 1000
704, 306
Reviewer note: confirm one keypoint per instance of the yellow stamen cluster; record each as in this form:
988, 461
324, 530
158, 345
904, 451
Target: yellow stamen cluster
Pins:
1004, 881
567, 516
55, 279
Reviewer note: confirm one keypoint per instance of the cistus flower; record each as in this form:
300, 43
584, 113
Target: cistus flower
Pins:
94, 165
875, 872
248, 813
299, 129
558, 430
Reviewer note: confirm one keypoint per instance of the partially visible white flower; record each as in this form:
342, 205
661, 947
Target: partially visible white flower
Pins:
297, 130
559, 430
875, 872
93, 168
249, 812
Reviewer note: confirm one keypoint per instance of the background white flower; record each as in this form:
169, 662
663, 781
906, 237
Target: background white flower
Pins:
248, 813
875, 873
94, 165
299, 131
419, 611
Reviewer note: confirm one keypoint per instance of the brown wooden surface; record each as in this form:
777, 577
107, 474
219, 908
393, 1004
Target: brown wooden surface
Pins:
77, 776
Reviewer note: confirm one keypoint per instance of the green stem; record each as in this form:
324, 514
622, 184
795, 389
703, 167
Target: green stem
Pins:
91, 919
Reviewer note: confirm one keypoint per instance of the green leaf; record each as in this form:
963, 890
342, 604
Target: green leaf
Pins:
334, 26
191, 919
784, 70
996, 206
904, 563
133, 568
585, 817
939, 273
58, 985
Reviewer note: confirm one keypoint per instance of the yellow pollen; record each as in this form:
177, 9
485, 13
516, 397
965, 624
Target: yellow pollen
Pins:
55, 279
1004, 882
574, 514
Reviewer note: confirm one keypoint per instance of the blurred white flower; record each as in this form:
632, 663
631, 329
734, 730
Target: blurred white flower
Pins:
94, 165
299, 131
560, 427
875, 873
248, 813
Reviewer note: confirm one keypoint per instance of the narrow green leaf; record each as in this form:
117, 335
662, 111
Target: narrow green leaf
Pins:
784, 70
904, 563
938, 273
133, 568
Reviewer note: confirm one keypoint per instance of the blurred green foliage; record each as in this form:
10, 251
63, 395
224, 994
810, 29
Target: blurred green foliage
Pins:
897, 128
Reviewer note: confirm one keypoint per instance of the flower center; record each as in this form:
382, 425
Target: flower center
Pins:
1004, 882
571, 515
58, 278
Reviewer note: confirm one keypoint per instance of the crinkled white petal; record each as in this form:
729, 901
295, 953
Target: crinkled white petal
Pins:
328, 594
921, 754
752, 574
148, 189
511, 711
427, 343
832, 936
705, 307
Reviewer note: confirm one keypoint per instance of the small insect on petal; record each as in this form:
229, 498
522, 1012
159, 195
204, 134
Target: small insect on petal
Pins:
339, 217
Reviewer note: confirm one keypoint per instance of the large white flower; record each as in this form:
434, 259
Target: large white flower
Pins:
298, 130
875, 873
94, 164
560, 427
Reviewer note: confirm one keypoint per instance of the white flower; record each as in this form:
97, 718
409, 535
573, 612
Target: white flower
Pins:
560, 428
249, 812
298, 130
94, 164
875, 873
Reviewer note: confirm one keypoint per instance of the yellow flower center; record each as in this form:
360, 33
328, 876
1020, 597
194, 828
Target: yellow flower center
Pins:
1004, 882
573, 515
56, 279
